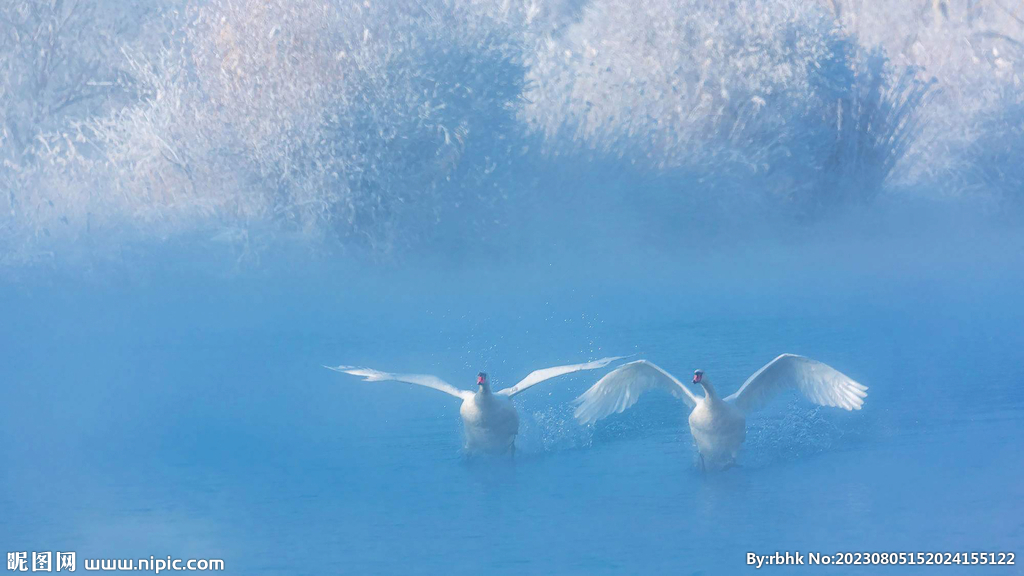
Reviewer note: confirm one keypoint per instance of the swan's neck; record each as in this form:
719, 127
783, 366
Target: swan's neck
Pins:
484, 390
709, 390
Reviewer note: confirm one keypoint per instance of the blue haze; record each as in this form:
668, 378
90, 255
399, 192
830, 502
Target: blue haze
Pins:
161, 381
188, 415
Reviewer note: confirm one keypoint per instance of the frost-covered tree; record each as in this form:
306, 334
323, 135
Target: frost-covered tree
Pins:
359, 114
53, 63
991, 171
372, 123
389, 125
772, 91
59, 65
973, 50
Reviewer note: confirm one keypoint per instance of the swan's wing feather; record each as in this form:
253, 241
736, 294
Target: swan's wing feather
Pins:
819, 382
371, 375
622, 387
538, 376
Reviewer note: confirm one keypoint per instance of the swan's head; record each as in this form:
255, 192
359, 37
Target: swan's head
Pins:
698, 378
481, 381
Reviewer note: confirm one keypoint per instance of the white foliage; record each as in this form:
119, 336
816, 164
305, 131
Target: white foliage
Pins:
770, 89
390, 125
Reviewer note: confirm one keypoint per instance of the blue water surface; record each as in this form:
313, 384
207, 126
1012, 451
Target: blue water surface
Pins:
188, 414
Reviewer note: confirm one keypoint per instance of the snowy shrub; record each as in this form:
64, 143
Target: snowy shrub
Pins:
994, 168
355, 120
59, 63
447, 124
769, 92
973, 51
166, 161
857, 131
55, 63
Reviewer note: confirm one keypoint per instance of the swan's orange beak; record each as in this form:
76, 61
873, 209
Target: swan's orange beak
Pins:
698, 376
481, 378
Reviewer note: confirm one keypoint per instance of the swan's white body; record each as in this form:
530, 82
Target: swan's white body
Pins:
719, 430
490, 420
719, 425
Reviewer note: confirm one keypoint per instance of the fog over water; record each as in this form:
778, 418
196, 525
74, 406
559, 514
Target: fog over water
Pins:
206, 202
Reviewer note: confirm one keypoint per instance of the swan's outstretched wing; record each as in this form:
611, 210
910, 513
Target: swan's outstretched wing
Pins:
370, 375
820, 383
538, 376
622, 387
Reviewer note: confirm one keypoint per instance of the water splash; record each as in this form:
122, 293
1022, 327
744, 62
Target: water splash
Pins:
553, 429
795, 433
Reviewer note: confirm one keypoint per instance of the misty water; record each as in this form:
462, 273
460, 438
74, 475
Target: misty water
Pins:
203, 203
186, 413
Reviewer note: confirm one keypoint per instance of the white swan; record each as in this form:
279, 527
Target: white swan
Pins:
491, 421
719, 425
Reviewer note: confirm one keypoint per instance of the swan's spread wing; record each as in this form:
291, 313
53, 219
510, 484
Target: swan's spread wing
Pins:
371, 375
820, 383
622, 387
538, 376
